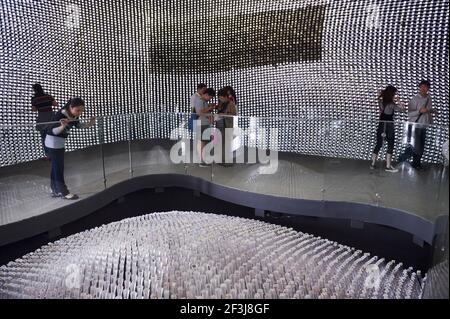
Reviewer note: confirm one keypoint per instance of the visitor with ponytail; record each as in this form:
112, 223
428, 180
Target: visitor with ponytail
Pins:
388, 103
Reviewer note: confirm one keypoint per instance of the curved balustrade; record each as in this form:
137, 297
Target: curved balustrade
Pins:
316, 160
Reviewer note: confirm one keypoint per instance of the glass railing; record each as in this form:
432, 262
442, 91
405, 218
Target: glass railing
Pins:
312, 159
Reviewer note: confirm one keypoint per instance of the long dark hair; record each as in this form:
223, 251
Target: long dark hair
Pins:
223, 93
38, 90
388, 94
231, 91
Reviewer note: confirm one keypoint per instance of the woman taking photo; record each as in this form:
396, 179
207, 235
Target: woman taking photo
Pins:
388, 103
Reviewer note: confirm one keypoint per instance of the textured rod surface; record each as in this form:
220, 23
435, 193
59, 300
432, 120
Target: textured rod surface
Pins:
286, 58
195, 255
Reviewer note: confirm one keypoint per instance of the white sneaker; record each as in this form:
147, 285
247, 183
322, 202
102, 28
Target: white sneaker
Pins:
392, 169
71, 197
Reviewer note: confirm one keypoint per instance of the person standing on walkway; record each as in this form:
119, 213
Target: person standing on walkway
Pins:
43, 104
55, 141
420, 110
388, 104
203, 111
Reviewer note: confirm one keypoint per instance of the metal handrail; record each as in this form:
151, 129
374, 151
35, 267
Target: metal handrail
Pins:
187, 115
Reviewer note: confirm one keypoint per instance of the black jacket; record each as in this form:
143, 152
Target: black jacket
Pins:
58, 116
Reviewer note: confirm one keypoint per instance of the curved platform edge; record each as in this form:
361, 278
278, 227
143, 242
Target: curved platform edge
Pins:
421, 229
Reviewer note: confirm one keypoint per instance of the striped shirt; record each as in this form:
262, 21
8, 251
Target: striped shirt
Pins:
43, 103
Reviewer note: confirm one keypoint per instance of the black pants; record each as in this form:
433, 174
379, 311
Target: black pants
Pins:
385, 130
43, 136
416, 145
58, 184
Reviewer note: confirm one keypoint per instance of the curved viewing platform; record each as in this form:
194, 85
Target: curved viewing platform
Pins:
316, 184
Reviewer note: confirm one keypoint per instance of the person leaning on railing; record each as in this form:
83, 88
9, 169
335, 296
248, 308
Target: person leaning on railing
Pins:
203, 111
55, 141
388, 104
196, 98
420, 110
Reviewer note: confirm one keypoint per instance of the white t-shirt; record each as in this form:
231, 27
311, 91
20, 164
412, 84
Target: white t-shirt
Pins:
198, 104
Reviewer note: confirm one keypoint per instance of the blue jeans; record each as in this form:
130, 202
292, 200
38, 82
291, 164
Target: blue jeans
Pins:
58, 184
